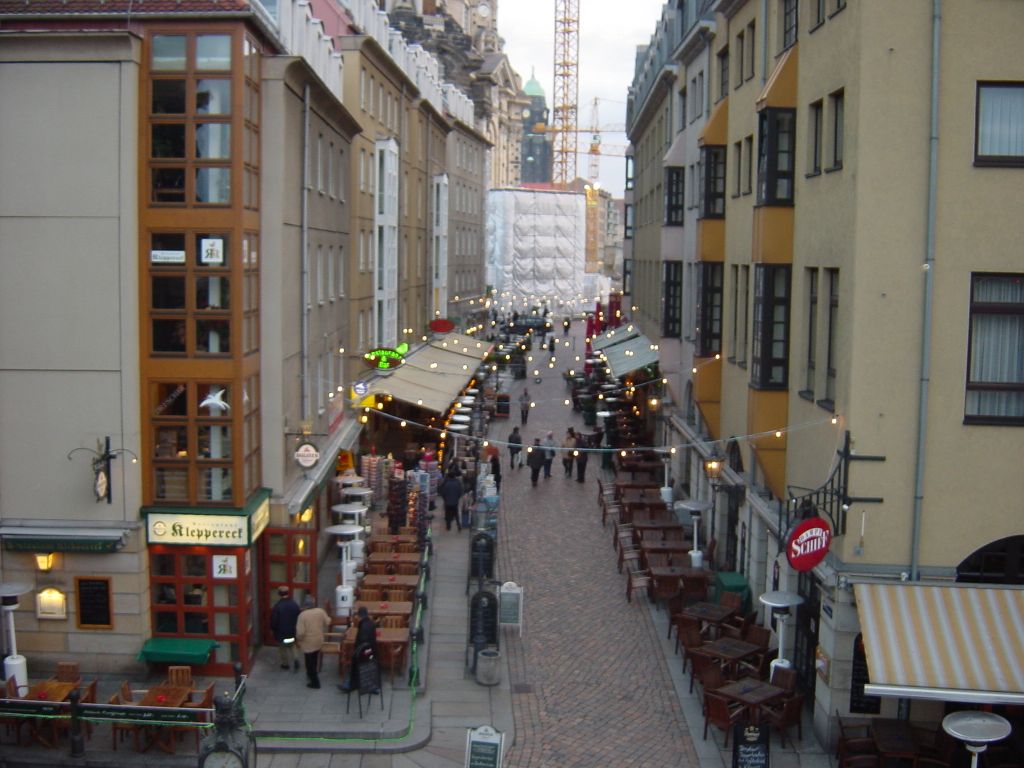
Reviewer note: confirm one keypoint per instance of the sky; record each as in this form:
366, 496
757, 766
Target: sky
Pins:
609, 35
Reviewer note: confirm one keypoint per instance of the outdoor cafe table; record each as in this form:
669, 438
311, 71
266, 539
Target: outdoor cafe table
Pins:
750, 692
656, 525
639, 495
392, 640
386, 542
710, 613
376, 558
650, 467
894, 739
677, 572
47, 690
377, 581
670, 548
172, 696
730, 651
385, 607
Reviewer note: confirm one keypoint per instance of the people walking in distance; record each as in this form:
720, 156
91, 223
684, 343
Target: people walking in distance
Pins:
283, 618
581, 460
496, 472
309, 632
450, 491
568, 446
524, 406
549, 453
515, 447
535, 460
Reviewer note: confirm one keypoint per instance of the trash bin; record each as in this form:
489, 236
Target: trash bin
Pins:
487, 670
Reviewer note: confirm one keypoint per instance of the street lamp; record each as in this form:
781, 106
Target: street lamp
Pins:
713, 466
977, 730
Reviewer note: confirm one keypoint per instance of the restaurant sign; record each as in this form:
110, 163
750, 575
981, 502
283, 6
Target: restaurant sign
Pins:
808, 543
441, 325
385, 359
199, 530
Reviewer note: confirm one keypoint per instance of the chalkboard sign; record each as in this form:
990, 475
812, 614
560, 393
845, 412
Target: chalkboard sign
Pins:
92, 594
750, 746
367, 673
510, 605
484, 747
483, 618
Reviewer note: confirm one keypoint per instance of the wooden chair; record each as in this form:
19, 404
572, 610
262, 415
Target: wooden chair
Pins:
623, 536
854, 738
408, 569
712, 678
399, 594
119, 731
785, 716
384, 546
657, 559
785, 678
758, 666
719, 713
691, 640
67, 672
699, 662
758, 635
393, 622
371, 595
934, 748
180, 676
205, 702
126, 693
630, 557
13, 724
695, 590
408, 530
637, 580
665, 590
738, 626
709, 554
329, 648
408, 549
733, 600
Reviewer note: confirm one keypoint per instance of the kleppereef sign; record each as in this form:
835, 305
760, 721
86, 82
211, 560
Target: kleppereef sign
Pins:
808, 543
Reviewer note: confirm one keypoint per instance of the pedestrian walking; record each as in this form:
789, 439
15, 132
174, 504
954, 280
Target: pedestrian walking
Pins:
549, 453
496, 472
283, 618
581, 460
524, 406
450, 491
309, 633
515, 447
535, 460
568, 446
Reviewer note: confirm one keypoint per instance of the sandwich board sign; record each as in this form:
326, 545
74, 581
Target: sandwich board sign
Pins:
510, 605
484, 747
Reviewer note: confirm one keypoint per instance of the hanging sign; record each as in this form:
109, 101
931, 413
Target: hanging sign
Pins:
385, 359
441, 325
808, 543
307, 455
361, 388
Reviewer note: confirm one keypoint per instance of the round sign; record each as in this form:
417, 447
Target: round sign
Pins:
306, 455
441, 325
361, 388
808, 543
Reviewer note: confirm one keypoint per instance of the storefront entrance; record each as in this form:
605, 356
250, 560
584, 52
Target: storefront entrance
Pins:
806, 643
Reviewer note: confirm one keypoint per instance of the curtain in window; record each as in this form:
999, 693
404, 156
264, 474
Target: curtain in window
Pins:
1001, 121
997, 349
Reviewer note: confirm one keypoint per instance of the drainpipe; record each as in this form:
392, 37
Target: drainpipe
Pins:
929, 292
764, 42
304, 284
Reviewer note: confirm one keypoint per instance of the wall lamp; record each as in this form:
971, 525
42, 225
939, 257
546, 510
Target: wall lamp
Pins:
44, 561
103, 455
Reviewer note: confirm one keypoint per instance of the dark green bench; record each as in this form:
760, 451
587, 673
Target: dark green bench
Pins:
177, 650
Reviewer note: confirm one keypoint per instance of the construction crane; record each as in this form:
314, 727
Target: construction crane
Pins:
566, 91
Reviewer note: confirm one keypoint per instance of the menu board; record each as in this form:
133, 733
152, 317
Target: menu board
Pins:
92, 596
750, 746
484, 747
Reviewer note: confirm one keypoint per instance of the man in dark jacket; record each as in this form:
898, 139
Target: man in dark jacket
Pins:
450, 492
535, 460
283, 618
366, 638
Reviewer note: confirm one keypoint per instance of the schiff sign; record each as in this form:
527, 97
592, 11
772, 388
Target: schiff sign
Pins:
808, 543
384, 359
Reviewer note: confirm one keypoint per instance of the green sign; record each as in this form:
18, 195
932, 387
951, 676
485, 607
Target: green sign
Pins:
385, 359
483, 747
46, 544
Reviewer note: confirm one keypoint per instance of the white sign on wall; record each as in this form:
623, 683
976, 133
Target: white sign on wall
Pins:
200, 530
211, 250
225, 566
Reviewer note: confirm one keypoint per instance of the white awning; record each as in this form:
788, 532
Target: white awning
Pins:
630, 355
943, 642
434, 374
614, 336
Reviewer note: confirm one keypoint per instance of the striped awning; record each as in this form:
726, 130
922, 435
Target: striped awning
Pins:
951, 643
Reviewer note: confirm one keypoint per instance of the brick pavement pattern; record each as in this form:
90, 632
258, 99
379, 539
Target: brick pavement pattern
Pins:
590, 685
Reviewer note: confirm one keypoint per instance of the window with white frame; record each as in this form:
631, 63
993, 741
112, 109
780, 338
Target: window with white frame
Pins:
837, 116
995, 353
330, 273
320, 274
999, 131
815, 118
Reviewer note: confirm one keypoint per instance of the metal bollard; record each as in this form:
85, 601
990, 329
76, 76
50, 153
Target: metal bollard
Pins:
76, 736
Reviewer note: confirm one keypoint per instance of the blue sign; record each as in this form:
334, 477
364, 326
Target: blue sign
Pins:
361, 388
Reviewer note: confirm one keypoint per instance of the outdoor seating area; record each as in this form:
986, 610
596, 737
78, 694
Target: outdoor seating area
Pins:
167, 713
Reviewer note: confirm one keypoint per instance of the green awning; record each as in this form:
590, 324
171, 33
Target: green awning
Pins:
177, 650
62, 538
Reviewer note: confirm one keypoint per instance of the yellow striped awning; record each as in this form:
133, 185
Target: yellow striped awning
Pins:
951, 643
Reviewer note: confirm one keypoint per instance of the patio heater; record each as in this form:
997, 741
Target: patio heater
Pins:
977, 730
15, 664
780, 602
694, 508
